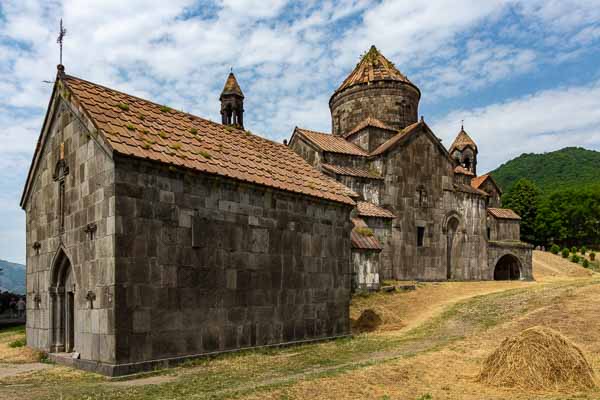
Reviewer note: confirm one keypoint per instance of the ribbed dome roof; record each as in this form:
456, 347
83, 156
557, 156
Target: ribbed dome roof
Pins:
372, 67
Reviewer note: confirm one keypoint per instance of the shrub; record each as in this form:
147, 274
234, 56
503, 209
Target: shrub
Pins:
574, 250
592, 256
586, 263
583, 250
17, 343
575, 258
554, 249
565, 253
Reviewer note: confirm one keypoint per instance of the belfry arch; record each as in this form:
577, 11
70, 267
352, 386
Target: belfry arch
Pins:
62, 304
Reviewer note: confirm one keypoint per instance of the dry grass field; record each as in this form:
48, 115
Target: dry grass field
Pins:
431, 345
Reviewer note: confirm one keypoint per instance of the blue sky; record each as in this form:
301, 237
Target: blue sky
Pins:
523, 74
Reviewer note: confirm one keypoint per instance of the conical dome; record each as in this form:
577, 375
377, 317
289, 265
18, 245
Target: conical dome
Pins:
462, 141
232, 86
375, 89
372, 67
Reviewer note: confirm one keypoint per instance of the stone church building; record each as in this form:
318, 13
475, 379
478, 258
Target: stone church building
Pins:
154, 235
422, 212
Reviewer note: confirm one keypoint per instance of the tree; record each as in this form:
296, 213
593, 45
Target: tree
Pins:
523, 198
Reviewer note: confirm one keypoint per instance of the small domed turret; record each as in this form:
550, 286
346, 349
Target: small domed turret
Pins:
464, 151
232, 103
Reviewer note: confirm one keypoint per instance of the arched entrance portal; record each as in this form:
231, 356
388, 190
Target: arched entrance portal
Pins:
62, 305
508, 268
451, 229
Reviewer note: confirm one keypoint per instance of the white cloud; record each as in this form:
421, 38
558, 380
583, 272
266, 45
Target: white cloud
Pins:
544, 121
288, 56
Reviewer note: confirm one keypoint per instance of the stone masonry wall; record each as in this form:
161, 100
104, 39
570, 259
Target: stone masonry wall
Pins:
504, 229
432, 171
306, 151
89, 199
206, 264
522, 251
366, 269
394, 103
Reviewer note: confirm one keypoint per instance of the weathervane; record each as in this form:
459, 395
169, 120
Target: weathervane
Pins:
60, 38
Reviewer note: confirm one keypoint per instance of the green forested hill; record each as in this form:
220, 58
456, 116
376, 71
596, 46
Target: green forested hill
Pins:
569, 168
12, 277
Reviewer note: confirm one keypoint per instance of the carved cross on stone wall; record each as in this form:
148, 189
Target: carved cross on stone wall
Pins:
91, 229
60, 173
90, 297
37, 299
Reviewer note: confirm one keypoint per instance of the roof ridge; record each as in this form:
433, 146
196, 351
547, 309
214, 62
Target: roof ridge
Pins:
369, 121
140, 128
67, 76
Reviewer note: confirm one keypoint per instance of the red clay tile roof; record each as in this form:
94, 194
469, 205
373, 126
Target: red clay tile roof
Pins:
461, 187
373, 67
462, 140
385, 146
478, 181
462, 170
351, 171
362, 237
367, 209
374, 122
139, 128
503, 213
232, 86
331, 143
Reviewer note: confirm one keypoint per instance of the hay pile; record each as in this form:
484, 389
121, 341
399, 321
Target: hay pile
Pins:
368, 321
538, 358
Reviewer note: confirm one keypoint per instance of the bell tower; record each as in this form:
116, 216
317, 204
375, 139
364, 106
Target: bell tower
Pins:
464, 151
232, 103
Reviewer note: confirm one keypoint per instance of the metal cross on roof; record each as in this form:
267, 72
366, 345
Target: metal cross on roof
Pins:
60, 38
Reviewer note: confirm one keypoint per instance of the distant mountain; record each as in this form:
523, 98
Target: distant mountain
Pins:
12, 277
571, 167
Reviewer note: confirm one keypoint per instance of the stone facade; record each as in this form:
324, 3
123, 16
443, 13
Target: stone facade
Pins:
207, 265
134, 264
440, 226
70, 253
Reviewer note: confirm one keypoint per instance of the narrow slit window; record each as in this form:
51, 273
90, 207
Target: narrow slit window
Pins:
420, 236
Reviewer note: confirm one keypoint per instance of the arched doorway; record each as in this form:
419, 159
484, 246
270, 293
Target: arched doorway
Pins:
451, 229
508, 268
62, 305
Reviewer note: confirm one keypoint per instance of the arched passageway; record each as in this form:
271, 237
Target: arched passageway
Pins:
62, 305
508, 268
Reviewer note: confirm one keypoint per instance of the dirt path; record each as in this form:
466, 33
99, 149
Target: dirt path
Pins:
7, 370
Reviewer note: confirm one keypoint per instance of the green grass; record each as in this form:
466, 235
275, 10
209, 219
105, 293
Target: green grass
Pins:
236, 374
21, 342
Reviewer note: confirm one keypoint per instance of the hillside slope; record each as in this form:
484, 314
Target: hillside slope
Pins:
12, 277
571, 167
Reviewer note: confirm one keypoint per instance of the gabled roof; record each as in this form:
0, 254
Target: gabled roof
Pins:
405, 134
330, 143
503, 213
362, 237
462, 141
367, 209
372, 67
232, 86
139, 128
351, 171
479, 180
461, 187
369, 121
